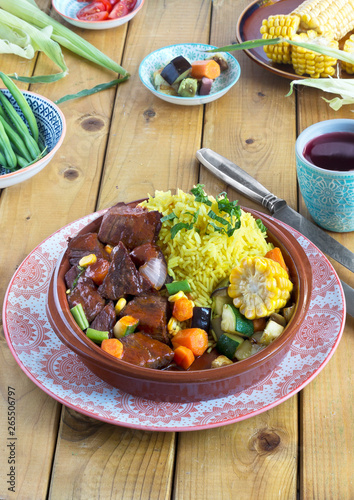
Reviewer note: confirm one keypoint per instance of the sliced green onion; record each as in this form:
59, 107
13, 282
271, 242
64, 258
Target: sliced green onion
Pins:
80, 316
96, 335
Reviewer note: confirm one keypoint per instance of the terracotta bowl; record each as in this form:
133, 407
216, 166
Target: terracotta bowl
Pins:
178, 386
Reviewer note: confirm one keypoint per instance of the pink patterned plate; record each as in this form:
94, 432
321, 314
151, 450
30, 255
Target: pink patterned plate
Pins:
58, 372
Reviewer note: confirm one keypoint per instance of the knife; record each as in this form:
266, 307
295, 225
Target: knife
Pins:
240, 180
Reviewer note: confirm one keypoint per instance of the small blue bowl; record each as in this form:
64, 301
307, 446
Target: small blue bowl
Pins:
193, 52
328, 194
51, 127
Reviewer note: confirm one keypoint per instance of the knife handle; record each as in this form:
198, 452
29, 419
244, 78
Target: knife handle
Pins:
240, 180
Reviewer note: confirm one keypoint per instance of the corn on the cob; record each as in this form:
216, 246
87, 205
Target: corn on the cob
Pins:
279, 26
259, 286
323, 16
348, 47
307, 62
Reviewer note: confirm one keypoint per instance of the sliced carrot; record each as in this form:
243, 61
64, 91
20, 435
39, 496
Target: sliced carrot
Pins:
182, 309
183, 357
208, 68
195, 339
113, 347
277, 256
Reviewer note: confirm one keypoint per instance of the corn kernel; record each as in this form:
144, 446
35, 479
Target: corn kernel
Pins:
88, 260
108, 249
121, 303
176, 296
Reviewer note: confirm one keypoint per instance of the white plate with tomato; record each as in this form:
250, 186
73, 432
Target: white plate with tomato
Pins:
97, 14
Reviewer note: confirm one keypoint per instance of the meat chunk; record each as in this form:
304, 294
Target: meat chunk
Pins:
133, 226
122, 278
152, 313
86, 294
142, 350
143, 253
85, 244
105, 320
71, 276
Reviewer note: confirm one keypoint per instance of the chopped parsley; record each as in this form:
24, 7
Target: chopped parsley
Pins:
226, 224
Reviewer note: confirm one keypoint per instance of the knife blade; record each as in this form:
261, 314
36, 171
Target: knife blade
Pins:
240, 180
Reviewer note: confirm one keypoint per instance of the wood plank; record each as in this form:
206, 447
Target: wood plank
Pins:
65, 190
242, 460
149, 148
164, 158
97, 460
231, 461
327, 405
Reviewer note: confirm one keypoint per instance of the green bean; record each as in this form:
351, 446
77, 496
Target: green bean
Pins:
20, 126
23, 104
17, 143
9, 154
22, 162
3, 160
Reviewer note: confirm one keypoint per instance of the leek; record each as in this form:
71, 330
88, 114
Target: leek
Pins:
29, 12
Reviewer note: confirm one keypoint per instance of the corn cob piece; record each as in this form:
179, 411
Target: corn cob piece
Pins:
259, 286
348, 47
282, 26
307, 62
324, 16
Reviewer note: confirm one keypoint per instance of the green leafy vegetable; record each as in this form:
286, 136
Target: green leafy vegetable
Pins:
200, 195
261, 225
170, 216
184, 225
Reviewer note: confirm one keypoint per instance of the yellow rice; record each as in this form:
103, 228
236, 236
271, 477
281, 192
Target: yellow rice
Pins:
202, 255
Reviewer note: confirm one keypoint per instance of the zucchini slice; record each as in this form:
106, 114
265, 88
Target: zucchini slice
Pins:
234, 322
228, 344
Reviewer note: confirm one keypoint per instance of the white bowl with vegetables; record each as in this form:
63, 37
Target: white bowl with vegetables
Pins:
97, 14
32, 129
188, 75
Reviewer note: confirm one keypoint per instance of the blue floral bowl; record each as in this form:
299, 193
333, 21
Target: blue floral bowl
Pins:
328, 194
193, 52
51, 127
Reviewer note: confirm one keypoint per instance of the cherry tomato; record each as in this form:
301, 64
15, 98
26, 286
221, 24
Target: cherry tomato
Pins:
119, 10
130, 4
92, 8
96, 16
113, 2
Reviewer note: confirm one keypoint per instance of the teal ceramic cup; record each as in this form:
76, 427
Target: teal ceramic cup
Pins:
328, 194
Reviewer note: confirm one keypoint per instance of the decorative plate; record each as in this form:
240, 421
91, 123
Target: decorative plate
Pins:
248, 26
193, 52
58, 372
68, 9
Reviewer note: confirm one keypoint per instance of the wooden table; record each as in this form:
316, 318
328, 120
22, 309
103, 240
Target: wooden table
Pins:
121, 144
